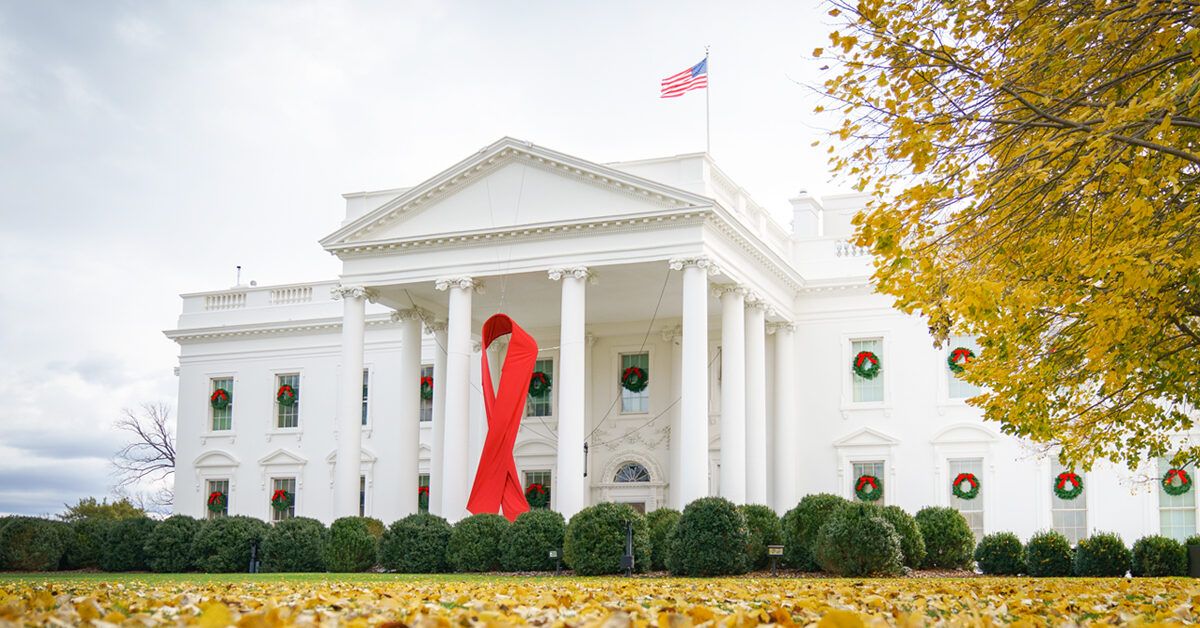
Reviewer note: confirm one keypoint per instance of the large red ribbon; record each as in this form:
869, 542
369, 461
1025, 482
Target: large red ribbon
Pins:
496, 482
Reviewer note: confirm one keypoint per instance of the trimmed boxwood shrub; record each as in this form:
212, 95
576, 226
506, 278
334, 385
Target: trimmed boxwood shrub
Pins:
800, 526
710, 539
223, 543
295, 545
660, 523
1155, 556
858, 541
1048, 554
949, 542
86, 544
416, 544
1000, 554
763, 525
1102, 555
527, 541
169, 546
475, 543
595, 539
912, 544
353, 544
124, 547
33, 543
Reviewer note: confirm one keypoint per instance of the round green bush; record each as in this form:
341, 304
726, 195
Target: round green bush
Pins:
1048, 554
86, 544
1102, 555
1192, 540
763, 525
353, 544
800, 526
416, 544
595, 539
223, 543
124, 548
169, 547
660, 523
710, 539
858, 541
475, 543
527, 542
33, 543
949, 542
295, 545
1000, 554
1155, 556
912, 544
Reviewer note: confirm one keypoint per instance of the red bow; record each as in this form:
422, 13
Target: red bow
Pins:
496, 482
422, 490
536, 487
215, 496
864, 480
864, 356
1172, 474
965, 477
1063, 478
279, 494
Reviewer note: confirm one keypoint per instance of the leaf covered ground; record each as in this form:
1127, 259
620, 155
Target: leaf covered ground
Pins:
135, 600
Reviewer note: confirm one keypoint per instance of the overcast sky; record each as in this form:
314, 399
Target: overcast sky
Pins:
148, 148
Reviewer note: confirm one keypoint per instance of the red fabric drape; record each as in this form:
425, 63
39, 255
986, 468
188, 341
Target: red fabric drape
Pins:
497, 485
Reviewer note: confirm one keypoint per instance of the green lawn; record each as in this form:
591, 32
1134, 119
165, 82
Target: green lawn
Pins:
153, 578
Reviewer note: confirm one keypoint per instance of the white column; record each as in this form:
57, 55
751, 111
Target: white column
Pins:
437, 447
733, 393
456, 438
408, 402
674, 336
569, 484
693, 437
756, 403
349, 401
787, 429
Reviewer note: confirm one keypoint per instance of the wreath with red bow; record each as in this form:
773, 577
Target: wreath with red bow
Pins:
426, 387
423, 498
958, 357
539, 384
969, 479
537, 495
217, 501
281, 500
1169, 485
635, 379
219, 399
866, 365
286, 395
1061, 482
868, 488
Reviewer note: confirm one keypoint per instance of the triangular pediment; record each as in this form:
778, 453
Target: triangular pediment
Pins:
281, 457
866, 437
511, 183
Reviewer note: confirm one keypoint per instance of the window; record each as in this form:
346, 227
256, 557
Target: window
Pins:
1068, 516
287, 416
868, 390
427, 404
632, 472
869, 468
222, 419
213, 487
366, 381
423, 483
362, 495
634, 402
538, 477
957, 388
1176, 513
544, 405
284, 484
972, 509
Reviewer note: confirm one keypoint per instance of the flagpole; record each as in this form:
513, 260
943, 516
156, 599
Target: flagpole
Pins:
707, 125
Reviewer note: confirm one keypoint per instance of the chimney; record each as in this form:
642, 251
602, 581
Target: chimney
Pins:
806, 216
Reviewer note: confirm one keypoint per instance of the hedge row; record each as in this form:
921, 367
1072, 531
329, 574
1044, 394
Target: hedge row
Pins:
1049, 554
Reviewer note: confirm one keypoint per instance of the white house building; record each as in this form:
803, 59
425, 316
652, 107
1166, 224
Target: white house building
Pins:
745, 328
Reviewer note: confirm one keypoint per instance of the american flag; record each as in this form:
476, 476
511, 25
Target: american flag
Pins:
695, 77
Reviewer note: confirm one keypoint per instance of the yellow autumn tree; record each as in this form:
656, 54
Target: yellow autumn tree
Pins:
1033, 167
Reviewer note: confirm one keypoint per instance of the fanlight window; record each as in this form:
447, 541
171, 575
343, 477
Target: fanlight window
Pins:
632, 472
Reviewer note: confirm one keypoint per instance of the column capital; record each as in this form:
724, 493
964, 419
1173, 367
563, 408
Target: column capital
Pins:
462, 283
577, 272
413, 313
774, 326
351, 292
590, 339
755, 302
673, 334
696, 261
721, 289
432, 326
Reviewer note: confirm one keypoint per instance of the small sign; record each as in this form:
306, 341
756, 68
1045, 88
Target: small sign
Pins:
553, 553
774, 550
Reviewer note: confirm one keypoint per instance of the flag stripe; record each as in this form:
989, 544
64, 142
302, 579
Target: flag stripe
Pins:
698, 84
695, 77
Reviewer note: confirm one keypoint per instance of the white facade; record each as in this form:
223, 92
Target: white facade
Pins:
747, 330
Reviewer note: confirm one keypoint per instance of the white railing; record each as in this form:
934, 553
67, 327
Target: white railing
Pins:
294, 294
225, 301
846, 248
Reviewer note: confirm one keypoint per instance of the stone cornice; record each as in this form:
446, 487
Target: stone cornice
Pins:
322, 325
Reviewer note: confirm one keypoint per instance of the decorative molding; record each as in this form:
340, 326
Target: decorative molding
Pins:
699, 261
462, 283
328, 325
673, 334
721, 289
577, 272
774, 326
590, 339
416, 313
433, 325
351, 292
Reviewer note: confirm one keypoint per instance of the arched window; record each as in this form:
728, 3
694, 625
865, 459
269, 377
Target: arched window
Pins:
632, 472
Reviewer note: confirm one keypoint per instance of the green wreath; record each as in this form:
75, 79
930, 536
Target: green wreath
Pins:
866, 365
966, 478
1169, 485
958, 357
220, 399
539, 385
868, 488
1060, 485
537, 495
282, 500
426, 388
635, 379
423, 498
217, 501
286, 396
